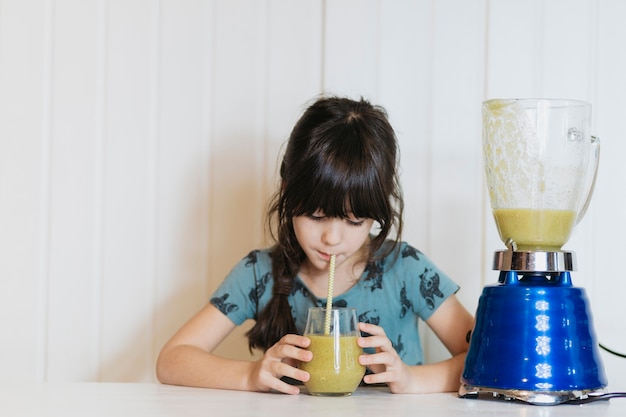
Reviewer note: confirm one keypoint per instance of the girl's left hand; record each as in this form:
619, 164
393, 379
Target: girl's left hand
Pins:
385, 363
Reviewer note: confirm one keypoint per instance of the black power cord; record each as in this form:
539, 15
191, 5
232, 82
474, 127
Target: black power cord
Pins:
596, 397
621, 355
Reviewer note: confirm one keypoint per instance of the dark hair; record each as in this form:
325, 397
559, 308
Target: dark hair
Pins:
341, 157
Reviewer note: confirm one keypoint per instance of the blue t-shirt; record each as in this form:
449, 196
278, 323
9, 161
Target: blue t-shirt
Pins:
393, 293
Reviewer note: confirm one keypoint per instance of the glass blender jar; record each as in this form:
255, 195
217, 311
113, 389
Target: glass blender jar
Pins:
540, 164
533, 338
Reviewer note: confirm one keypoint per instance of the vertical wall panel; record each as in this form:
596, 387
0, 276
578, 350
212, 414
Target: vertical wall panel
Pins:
514, 47
182, 230
607, 218
237, 132
23, 184
405, 70
405, 73
294, 60
73, 224
456, 208
567, 49
351, 48
456, 169
236, 200
127, 281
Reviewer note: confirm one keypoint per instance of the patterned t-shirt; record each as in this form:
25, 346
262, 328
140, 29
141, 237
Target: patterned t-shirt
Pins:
393, 293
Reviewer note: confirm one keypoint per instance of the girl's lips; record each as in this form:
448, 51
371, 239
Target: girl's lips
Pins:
325, 256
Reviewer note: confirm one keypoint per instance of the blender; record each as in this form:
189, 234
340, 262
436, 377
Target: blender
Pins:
533, 338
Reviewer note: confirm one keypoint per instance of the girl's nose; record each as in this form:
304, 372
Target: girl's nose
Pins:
332, 232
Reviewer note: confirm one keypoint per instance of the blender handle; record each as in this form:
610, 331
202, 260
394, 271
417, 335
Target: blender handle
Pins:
595, 148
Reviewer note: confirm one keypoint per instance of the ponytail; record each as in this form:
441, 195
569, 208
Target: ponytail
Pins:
275, 319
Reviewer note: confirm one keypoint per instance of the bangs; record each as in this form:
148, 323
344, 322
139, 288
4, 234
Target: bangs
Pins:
338, 195
344, 182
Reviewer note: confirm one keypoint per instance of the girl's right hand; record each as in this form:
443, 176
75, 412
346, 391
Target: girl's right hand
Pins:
280, 361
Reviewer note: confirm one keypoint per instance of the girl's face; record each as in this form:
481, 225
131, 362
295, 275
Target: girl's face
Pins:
321, 236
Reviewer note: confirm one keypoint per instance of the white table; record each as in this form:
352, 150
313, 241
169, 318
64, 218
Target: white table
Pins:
155, 400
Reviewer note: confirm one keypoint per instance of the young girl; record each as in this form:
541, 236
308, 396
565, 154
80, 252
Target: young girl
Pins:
339, 195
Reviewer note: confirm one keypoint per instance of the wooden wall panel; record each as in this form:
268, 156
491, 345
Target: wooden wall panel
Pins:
405, 74
24, 164
237, 141
456, 169
455, 185
129, 166
295, 50
74, 201
182, 164
405, 77
606, 220
351, 48
513, 43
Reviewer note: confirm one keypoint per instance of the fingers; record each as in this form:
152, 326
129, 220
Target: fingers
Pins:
275, 383
385, 363
280, 361
295, 340
292, 346
377, 339
372, 329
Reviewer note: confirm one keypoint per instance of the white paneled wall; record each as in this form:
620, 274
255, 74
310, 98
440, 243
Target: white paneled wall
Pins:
139, 143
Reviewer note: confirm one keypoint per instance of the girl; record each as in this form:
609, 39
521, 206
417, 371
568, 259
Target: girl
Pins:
339, 195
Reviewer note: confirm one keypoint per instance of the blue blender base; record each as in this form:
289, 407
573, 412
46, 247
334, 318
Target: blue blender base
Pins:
533, 341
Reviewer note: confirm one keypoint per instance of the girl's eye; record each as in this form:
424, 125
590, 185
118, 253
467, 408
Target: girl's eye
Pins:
316, 217
356, 223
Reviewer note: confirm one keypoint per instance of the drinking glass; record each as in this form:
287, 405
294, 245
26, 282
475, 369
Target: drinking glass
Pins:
335, 369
